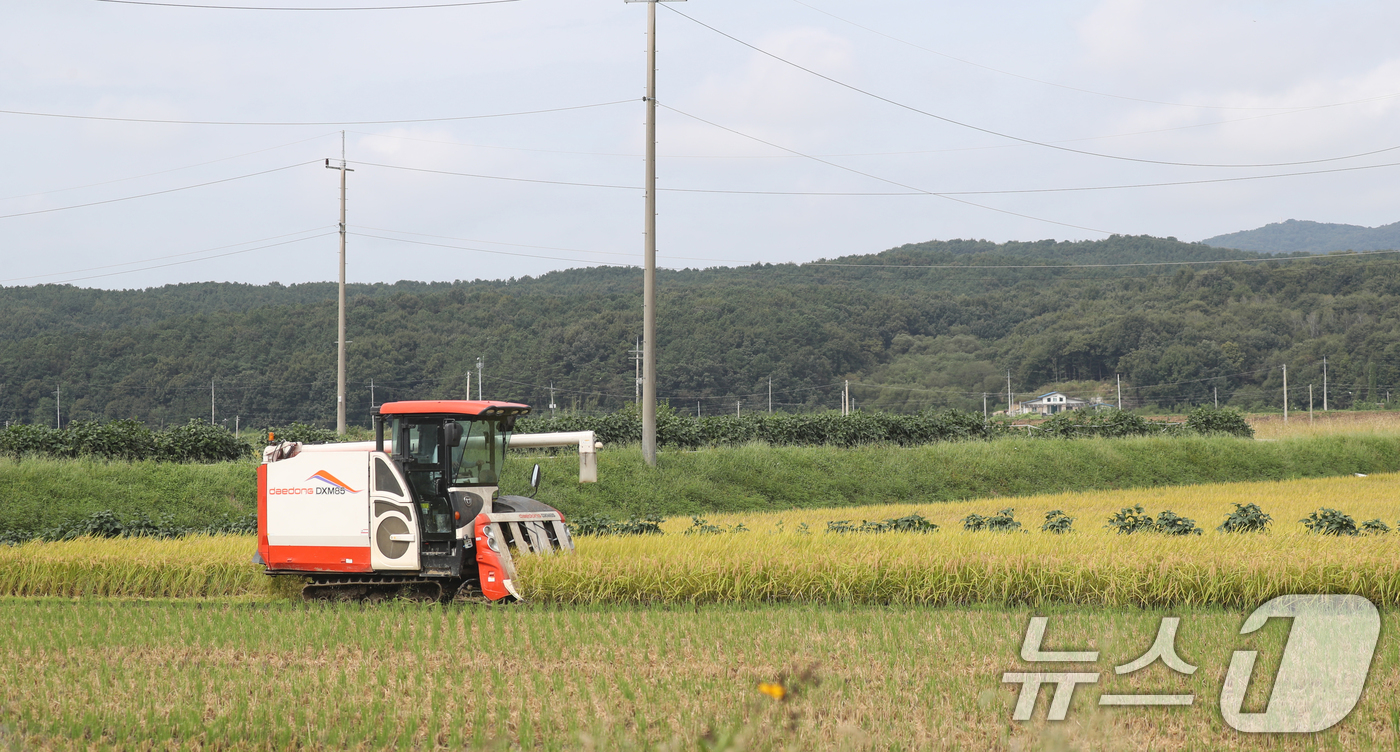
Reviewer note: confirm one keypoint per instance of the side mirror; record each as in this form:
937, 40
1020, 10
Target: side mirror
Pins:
508, 422
454, 433
536, 476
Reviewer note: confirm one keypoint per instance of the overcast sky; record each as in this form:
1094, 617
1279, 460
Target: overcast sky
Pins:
1203, 83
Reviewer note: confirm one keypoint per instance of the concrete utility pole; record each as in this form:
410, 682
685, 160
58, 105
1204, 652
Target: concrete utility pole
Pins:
984, 407
340, 319
1217, 397
1008, 393
58, 408
551, 400
770, 395
1310, 417
649, 251
478, 381
1119, 376
1324, 383
1285, 394
637, 366
211, 402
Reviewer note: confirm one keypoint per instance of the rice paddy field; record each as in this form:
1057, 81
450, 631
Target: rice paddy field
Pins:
215, 675
778, 637
775, 561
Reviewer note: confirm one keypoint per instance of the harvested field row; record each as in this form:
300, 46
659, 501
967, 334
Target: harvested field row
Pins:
100, 674
777, 563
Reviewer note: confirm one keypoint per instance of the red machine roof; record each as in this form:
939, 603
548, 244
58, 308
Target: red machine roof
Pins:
451, 407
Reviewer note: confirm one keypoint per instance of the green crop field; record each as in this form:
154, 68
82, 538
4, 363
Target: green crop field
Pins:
113, 674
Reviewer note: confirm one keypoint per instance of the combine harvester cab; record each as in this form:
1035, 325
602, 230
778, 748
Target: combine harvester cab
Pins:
414, 513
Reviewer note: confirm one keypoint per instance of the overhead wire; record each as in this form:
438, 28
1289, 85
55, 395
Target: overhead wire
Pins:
1020, 139
1263, 259
486, 250
157, 193
887, 180
159, 258
356, 7
164, 172
191, 261
545, 247
1078, 89
308, 123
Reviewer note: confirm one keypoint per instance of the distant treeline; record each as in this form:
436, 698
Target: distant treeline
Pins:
929, 325
860, 428
201, 442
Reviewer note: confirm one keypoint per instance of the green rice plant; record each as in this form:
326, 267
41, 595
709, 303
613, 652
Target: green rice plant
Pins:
103, 674
1330, 522
1056, 521
1374, 527
1246, 518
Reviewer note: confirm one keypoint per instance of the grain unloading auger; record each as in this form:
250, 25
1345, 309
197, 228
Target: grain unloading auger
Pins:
414, 513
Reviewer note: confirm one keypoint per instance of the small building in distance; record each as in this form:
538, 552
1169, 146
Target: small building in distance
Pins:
1051, 403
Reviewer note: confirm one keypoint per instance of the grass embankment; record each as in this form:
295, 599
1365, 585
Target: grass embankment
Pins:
159, 675
1091, 565
38, 494
767, 478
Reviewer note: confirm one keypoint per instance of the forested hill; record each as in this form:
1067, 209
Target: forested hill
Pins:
1295, 236
929, 324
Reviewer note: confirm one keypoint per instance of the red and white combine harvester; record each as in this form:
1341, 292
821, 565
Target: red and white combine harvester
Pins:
414, 513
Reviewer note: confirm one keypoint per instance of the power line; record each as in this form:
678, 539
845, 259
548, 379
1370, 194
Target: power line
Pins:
887, 180
1008, 136
1075, 88
329, 122
484, 250
548, 247
160, 258
248, 7
191, 261
163, 172
157, 193
1098, 266
879, 194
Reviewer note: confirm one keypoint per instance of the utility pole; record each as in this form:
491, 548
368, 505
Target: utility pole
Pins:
984, 407
637, 366
58, 409
649, 251
1217, 397
371, 396
1324, 383
1119, 376
211, 402
551, 400
770, 395
1008, 393
737, 403
340, 319
478, 381
1285, 393
1310, 417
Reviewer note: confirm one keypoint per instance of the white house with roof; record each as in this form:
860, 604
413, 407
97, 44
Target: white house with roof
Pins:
1051, 403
